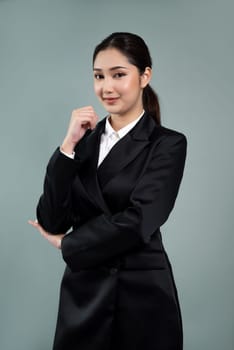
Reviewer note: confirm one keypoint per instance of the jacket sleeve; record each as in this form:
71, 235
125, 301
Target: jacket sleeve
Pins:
107, 236
54, 209
54, 206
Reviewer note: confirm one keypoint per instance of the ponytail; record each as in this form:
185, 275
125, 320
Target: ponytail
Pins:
151, 103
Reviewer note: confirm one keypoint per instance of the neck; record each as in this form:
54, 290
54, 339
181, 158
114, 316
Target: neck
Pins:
118, 121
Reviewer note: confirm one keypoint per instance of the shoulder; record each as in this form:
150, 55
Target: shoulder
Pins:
168, 141
168, 134
162, 133
147, 128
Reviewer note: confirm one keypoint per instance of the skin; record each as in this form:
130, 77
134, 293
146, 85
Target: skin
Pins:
54, 240
119, 87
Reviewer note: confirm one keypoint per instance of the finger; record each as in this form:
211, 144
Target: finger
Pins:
94, 121
86, 111
33, 223
38, 227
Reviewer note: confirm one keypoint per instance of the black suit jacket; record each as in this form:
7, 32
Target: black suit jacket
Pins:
115, 212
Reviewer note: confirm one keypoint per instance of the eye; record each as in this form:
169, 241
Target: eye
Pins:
98, 76
119, 75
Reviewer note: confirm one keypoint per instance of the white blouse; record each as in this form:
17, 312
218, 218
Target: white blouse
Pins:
109, 138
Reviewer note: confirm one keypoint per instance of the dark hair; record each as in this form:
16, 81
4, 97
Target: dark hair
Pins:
137, 53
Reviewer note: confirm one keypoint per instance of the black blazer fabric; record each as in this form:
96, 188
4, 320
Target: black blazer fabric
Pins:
117, 291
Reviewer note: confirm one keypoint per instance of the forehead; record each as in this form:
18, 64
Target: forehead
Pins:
108, 58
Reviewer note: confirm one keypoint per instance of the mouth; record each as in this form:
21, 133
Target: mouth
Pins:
110, 100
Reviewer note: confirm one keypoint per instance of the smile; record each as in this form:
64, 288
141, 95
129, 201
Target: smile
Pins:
110, 100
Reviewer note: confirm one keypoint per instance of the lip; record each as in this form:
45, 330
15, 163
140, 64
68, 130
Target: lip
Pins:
110, 100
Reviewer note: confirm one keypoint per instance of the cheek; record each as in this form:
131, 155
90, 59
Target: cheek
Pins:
125, 87
97, 89
131, 85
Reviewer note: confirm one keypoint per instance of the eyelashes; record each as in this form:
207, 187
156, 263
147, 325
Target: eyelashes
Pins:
98, 76
115, 76
119, 75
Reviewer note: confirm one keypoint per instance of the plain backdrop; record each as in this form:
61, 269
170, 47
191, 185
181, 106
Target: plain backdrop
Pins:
45, 72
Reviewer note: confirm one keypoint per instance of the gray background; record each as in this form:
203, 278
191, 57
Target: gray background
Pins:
45, 72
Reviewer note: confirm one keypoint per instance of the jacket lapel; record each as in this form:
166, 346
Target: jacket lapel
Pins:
125, 150
88, 151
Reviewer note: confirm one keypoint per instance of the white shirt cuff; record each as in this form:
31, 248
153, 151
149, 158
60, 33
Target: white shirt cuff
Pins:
69, 155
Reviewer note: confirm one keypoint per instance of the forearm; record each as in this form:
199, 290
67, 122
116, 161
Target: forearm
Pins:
54, 207
108, 236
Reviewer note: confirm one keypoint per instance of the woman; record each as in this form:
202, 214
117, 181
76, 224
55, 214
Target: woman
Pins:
113, 183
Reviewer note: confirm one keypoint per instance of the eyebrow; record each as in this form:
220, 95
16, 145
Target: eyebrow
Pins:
111, 69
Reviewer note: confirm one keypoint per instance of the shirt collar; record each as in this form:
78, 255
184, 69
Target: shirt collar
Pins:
123, 131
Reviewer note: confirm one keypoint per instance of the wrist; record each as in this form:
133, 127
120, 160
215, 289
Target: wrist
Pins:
67, 147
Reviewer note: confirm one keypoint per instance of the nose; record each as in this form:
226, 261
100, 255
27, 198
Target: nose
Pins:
107, 86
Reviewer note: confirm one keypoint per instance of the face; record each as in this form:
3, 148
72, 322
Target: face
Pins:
118, 84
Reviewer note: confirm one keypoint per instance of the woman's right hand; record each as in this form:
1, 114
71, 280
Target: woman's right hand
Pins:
81, 119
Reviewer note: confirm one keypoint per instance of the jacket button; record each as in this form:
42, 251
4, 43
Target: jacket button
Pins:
113, 271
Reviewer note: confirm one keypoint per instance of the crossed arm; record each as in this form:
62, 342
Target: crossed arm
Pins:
151, 202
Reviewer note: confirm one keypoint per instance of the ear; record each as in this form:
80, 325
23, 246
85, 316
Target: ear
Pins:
146, 77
